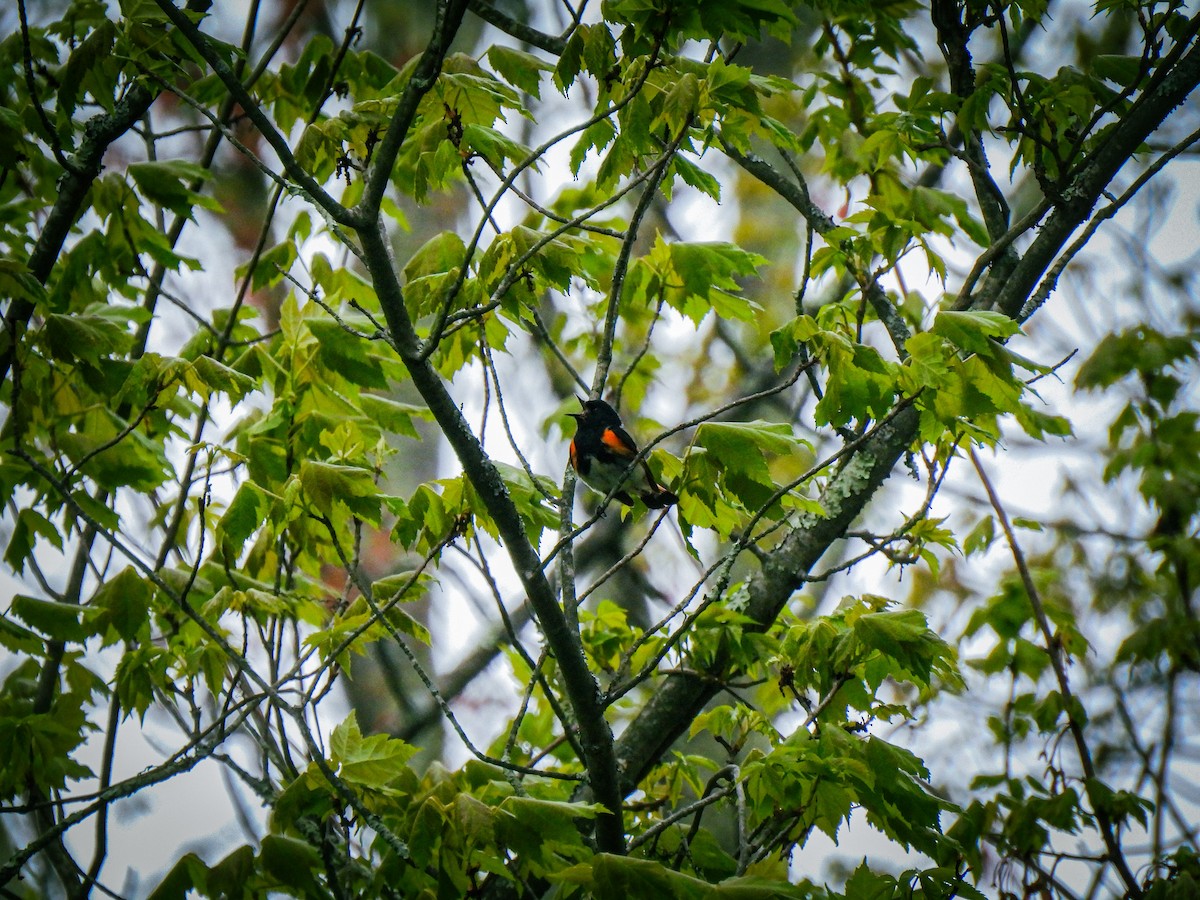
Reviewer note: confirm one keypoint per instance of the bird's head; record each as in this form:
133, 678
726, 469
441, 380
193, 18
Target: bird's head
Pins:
596, 412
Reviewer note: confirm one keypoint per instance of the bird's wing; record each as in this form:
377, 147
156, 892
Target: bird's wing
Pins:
617, 439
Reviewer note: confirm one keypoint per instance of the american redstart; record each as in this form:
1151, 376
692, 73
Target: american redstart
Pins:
601, 452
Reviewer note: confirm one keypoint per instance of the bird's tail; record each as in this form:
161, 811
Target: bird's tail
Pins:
659, 498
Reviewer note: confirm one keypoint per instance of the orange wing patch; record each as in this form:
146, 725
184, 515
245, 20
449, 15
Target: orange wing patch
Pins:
616, 443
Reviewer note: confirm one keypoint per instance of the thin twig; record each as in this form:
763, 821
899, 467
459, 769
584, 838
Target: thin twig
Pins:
1071, 705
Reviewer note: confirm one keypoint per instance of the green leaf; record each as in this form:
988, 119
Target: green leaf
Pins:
861, 383
973, 330
350, 356
190, 873
534, 826
167, 183
373, 761
124, 604
58, 621
272, 265
292, 863
392, 415
596, 136
444, 252
135, 461
621, 877
536, 511
244, 515
696, 278
1122, 70
229, 877
29, 526
904, 636
520, 69
84, 61
37, 749
318, 150
86, 337
101, 513
495, 146
599, 51
697, 177
678, 105
980, 538
359, 626
1141, 349
865, 884
570, 61
18, 639
737, 454
431, 271
741, 445
209, 375
401, 587
143, 669
328, 485
786, 339
17, 282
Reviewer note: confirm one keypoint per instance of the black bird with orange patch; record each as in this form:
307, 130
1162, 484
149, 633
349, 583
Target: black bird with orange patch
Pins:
601, 452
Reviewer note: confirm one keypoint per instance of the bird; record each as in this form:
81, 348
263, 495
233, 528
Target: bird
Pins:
601, 452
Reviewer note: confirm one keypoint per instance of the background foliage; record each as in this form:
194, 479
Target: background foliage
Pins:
296, 308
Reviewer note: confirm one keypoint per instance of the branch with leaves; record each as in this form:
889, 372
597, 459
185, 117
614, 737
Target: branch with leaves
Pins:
228, 511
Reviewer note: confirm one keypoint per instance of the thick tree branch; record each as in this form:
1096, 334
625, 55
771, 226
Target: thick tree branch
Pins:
582, 689
522, 32
682, 696
1011, 290
953, 37
1102, 215
449, 17
673, 706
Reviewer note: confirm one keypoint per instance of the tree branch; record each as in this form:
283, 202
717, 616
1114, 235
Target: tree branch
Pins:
1011, 290
581, 687
86, 165
796, 193
953, 37
253, 111
1049, 282
621, 267
449, 17
1071, 705
682, 696
519, 30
